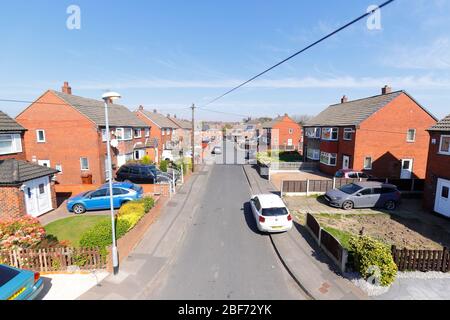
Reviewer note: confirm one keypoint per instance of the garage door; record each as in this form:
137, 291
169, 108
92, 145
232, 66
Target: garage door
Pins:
38, 199
442, 202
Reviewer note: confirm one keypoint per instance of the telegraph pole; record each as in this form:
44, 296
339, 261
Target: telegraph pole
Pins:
192, 137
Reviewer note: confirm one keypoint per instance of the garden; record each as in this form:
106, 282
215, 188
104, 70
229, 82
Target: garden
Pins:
278, 156
74, 234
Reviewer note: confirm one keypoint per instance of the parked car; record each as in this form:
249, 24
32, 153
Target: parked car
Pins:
270, 213
137, 173
352, 174
217, 150
364, 195
99, 199
17, 284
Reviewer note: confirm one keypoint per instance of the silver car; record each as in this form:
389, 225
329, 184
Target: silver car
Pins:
364, 195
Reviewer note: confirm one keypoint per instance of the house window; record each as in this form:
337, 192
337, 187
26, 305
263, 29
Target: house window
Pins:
41, 188
40, 136
368, 163
291, 131
147, 132
348, 133
10, 143
124, 134
444, 147
411, 135
313, 154
137, 133
328, 159
104, 135
330, 134
139, 154
84, 163
163, 132
312, 132
59, 168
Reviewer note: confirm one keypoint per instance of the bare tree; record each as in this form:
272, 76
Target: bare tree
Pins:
302, 118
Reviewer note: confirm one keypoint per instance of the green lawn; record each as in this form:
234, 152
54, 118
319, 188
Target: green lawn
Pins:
72, 228
340, 235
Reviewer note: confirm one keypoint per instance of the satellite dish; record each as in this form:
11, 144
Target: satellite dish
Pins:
114, 143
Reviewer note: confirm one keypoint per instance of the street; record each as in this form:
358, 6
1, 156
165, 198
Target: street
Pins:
223, 256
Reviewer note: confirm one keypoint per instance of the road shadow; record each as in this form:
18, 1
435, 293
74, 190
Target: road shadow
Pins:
45, 290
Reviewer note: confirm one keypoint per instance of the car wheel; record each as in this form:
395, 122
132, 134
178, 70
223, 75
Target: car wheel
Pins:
347, 205
390, 205
78, 209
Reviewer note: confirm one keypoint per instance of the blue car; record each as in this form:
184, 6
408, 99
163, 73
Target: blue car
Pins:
16, 284
99, 199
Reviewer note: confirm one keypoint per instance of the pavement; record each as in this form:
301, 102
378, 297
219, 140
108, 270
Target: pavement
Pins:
307, 263
69, 286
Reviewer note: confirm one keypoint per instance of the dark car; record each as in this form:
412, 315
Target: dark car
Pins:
136, 173
364, 195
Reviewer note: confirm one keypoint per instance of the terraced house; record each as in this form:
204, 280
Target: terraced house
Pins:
437, 186
67, 132
25, 188
384, 135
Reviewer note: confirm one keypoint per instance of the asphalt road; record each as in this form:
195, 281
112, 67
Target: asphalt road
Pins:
223, 256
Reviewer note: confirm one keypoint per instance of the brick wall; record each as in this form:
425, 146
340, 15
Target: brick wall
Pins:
383, 137
12, 203
284, 135
438, 167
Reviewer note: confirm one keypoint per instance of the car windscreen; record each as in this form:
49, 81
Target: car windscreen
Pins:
350, 188
273, 212
7, 274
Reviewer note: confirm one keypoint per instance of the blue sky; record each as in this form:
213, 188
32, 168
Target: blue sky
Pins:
169, 54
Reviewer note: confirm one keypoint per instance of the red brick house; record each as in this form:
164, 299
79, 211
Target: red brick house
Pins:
437, 186
67, 132
383, 135
162, 129
25, 188
282, 133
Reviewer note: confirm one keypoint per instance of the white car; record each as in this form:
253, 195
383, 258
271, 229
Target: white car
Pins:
167, 155
217, 150
271, 214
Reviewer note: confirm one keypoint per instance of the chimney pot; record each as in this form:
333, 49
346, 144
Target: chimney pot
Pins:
344, 99
141, 108
155, 111
386, 90
66, 88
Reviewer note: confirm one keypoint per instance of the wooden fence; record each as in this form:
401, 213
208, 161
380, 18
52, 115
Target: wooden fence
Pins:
54, 259
421, 260
306, 187
330, 245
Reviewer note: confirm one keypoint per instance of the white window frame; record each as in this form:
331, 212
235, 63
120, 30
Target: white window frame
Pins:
407, 135
139, 135
329, 156
313, 154
104, 135
314, 133
371, 163
291, 131
123, 131
163, 132
331, 129
16, 143
346, 131
43, 134
141, 153
81, 163
147, 132
440, 146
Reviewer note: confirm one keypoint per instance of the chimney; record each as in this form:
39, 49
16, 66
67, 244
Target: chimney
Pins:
66, 88
174, 116
344, 99
386, 90
155, 111
141, 108
286, 115
168, 115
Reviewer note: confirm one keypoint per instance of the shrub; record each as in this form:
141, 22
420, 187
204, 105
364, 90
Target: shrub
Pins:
148, 202
131, 212
101, 234
370, 253
146, 160
163, 165
22, 233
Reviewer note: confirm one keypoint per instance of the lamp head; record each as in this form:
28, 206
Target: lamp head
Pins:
111, 96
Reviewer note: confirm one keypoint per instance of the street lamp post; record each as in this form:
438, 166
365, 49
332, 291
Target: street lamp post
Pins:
109, 97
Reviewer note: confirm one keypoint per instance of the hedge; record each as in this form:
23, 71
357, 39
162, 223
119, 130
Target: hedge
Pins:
371, 254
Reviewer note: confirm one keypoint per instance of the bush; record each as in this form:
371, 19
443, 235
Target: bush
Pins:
370, 253
163, 165
22, 233
132, 212
101, 234
146, 160
148, 202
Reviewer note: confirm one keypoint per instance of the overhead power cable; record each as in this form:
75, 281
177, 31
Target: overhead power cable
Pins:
301, 51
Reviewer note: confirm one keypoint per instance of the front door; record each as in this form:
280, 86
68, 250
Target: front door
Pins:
38, 197
442, 201
407, 168
345, 162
